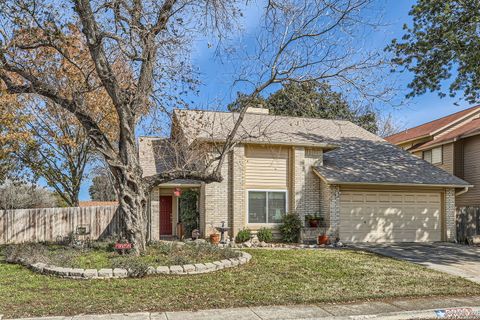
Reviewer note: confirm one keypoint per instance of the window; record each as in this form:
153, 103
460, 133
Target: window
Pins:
266, 206
433, 156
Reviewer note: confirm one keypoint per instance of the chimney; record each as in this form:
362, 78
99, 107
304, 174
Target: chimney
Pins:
258, 110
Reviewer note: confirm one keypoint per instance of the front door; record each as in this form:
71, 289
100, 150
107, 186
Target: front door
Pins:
165, 215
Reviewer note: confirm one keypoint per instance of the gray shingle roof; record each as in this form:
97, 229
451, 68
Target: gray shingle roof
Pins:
358, 156
367, 161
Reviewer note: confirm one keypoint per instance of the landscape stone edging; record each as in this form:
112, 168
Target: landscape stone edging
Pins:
75, 273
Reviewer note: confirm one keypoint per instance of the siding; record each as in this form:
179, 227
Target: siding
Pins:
266, 167
447, 154
471, 152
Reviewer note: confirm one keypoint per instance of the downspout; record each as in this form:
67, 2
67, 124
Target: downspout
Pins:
465, 189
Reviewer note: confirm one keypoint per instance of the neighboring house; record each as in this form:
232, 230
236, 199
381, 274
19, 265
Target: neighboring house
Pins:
367, 189
451, 143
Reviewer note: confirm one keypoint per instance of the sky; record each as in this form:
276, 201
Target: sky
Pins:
216, 79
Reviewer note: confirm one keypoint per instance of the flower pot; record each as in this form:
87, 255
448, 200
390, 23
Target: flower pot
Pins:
214, 238
323, 239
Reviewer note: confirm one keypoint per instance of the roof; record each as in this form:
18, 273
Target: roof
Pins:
268, 129
470, 128
379, 162
355, 155
428, 128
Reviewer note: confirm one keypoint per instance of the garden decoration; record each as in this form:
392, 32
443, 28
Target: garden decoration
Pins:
222, 230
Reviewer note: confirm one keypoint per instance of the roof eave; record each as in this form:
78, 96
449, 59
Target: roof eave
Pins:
327, 146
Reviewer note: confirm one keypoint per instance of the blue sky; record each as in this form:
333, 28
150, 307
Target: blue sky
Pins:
216, 80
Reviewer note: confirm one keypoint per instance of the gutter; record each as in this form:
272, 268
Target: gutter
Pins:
465, 189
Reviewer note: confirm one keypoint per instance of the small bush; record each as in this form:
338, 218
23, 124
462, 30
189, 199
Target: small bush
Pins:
290, 228
265, 235
243, 235
137, 268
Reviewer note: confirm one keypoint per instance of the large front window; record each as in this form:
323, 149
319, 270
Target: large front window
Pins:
266, 206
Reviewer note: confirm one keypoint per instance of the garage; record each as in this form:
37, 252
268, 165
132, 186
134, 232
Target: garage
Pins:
390, 216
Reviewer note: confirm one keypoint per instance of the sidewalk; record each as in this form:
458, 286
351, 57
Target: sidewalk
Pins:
424, 308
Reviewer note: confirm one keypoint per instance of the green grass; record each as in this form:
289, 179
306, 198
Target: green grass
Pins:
270, 278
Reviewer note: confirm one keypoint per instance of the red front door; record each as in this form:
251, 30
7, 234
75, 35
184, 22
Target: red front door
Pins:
165, 215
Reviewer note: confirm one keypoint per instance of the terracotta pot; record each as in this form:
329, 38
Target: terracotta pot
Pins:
323, 239
214, 238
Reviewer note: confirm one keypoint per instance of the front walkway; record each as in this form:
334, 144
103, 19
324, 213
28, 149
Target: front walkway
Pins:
420, 308
455, 259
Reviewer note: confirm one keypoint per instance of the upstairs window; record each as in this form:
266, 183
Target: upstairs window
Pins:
434, 155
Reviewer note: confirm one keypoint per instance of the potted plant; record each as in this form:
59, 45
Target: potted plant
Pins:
323, 238
215, 238
314, 220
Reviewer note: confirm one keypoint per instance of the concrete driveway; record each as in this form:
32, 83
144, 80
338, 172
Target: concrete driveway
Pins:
457, 260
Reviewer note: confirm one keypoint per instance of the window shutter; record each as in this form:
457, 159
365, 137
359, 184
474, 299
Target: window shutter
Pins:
437, 155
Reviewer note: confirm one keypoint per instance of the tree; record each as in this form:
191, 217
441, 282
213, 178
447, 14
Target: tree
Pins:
315, 99
22, 195
297, 41
102, 188
56, 148
441, 48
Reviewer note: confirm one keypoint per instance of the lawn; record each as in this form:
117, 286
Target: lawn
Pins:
271, 277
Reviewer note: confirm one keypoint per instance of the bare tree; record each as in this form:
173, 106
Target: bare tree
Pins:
297, 41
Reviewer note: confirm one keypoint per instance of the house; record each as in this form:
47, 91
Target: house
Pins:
366, 189
451, 143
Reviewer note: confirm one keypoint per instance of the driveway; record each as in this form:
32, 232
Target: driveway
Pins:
455, 259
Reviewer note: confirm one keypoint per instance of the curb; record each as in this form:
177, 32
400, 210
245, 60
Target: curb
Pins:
446, 313
118, 273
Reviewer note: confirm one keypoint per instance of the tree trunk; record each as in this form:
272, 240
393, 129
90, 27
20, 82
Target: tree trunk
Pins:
132, 201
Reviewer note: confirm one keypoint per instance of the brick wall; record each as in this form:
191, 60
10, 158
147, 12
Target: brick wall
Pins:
154, 210
306, 186
330, 207
450, 214
237, 190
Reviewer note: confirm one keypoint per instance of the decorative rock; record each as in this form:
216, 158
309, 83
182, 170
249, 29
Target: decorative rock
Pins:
38, 267
200, 241
262, 244
151, 270
235, 262
189, 268
242, 260
247, 256
163, 270
226, 263
90, 273
200, 268
77, 273
105, 273
176, 270
120, 273
247, 244
210, 266
218, 264
339, 244
178, 244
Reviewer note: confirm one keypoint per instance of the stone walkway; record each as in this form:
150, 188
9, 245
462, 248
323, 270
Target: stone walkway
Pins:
421, 308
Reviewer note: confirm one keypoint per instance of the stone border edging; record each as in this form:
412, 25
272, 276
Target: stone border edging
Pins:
117, 273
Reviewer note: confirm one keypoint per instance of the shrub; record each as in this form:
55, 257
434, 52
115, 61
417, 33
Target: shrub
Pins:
243, 235
136, 267
290, 227
265, 235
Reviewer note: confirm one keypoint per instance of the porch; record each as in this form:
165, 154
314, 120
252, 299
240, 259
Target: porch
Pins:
165, 212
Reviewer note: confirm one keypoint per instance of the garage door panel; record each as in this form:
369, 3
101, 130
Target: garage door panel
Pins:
381, 216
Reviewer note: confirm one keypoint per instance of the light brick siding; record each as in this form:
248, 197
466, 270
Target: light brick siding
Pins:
154, 228
306, 182
330, 207
450, 215
216, 201
237, 190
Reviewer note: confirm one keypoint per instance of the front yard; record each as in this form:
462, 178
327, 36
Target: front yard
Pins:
271, 277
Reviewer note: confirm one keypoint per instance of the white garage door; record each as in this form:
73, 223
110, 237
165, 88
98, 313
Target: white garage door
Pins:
390, 216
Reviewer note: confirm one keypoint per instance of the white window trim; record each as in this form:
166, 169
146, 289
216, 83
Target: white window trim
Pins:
265, 190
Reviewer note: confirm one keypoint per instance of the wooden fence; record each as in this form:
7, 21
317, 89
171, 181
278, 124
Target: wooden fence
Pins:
468, 223
35, 225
